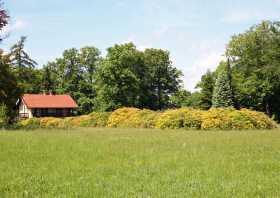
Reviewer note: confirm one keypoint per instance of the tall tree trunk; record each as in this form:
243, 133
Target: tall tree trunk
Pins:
268, 109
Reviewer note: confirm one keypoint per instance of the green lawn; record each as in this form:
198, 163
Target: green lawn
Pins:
139, 163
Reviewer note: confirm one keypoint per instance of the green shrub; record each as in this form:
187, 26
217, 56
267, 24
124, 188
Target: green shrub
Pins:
3, 116
32, 123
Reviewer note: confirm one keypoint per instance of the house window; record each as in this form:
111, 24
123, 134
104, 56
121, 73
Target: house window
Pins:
51, 111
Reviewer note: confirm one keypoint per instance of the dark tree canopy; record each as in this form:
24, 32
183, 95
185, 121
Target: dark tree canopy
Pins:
74, 73
256, 67
9, 89
129, 77
206, 86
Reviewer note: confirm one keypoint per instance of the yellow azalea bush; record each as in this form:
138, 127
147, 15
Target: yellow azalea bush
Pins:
171, 119
216, 118
259, 119
142, 119
192, 118
183, 118
121, 117
80, 121
50, 122
99, 119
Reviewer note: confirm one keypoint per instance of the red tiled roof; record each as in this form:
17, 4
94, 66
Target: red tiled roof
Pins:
48, 101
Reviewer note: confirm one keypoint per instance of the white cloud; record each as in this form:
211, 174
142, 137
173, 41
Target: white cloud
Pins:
208, 60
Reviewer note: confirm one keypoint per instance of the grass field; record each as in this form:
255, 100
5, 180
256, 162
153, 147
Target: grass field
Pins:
139, 163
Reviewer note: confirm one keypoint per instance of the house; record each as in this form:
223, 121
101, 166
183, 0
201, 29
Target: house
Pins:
42, 105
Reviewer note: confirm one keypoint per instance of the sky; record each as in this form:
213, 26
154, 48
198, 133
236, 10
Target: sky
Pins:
195, 32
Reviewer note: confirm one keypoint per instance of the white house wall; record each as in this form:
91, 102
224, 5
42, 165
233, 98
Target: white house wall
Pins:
24, 109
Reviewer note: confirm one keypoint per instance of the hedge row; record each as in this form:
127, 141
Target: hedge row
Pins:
92, 120
184, 118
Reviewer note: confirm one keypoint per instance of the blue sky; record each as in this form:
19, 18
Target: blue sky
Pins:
194, 31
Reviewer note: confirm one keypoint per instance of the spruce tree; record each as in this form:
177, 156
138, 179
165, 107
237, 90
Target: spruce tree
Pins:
223, 94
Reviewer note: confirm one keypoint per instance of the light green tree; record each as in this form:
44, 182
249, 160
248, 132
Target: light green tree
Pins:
223, 94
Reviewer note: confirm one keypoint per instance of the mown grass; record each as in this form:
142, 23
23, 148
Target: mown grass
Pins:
139, 163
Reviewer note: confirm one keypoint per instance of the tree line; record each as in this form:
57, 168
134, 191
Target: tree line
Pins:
129, 77
253, 70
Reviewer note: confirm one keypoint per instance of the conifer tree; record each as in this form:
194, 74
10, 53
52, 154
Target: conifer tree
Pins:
28, 77
223, 94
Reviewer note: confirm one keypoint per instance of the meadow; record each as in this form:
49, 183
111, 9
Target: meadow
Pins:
88, 162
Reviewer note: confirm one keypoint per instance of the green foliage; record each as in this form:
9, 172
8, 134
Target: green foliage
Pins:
28, 78
207, 86
163, 79
256, 73
3, 116
9, 89
129, 77
222, 94
181, 98
74, 73
118, 78
32, 123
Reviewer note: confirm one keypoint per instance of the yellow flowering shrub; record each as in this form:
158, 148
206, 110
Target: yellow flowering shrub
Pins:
79, 121
171, 119
240, 121
50, 122
186, 118
99, 119
142, 119
192, 118
258, 119
121, 117
216, 118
